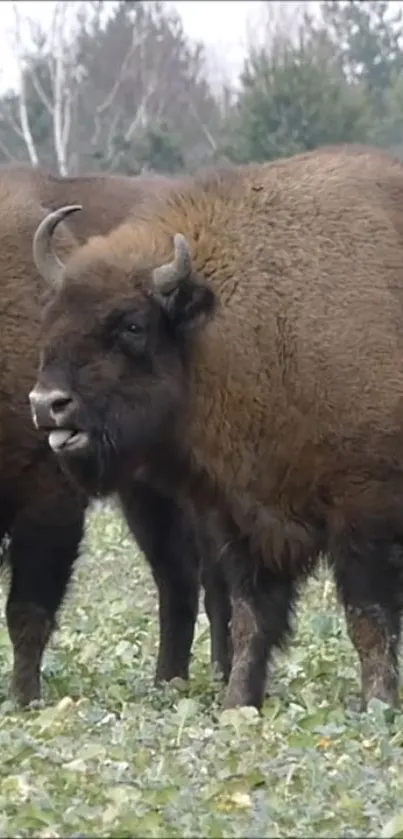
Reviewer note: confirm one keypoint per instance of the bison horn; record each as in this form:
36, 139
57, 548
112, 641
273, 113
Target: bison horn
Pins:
48, 264
166, 277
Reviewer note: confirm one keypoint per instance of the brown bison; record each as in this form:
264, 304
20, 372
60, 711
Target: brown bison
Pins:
40, 509
239, 342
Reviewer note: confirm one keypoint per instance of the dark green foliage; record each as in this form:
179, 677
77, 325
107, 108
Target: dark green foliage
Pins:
336, 80
366, 38
160, 150
295, 98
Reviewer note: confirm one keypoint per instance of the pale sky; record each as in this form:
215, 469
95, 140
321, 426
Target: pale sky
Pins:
221, 24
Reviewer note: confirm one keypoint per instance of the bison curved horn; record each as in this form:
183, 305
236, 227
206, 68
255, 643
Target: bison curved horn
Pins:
48, 264
167, 277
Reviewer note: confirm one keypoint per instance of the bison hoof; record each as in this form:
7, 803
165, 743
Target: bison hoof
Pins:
239, 698
25, 692
230, 704
217, 673
179, 683
388, 697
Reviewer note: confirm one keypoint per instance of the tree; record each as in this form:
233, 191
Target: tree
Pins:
367, 37
160, 150
162, 81
115, 89
294, 97
40, 115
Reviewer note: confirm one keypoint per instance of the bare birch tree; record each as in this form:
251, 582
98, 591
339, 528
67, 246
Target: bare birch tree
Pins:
99, 81
58, 52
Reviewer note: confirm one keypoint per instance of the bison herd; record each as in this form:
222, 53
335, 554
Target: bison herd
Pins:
224, 352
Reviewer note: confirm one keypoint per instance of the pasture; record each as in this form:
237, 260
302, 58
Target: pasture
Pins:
108, 754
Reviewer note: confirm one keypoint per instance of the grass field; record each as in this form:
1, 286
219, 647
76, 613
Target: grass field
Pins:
110, 755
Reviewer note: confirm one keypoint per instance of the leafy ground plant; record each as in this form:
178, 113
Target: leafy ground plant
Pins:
108, 754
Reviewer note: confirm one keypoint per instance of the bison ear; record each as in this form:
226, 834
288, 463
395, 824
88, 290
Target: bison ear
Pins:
190, 305
185, 298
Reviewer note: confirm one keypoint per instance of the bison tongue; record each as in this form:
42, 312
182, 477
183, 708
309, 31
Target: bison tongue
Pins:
59, 438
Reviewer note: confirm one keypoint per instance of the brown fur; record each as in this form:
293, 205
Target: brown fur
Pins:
284, 403
107, 199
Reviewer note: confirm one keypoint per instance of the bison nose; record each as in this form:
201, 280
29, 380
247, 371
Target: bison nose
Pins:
49, 407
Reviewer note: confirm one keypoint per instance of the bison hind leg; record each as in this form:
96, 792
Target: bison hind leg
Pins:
262, 602
45, 541
369, 580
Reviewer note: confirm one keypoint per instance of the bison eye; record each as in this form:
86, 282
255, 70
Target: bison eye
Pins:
132, 338
134, 328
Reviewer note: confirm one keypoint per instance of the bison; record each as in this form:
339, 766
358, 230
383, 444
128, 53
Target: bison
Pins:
239, 344
40, 509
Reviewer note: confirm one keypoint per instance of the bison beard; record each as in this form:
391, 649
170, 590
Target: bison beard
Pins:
117, 440
97, 465
286, 330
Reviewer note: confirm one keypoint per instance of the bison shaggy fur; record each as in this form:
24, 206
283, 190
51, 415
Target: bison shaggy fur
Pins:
240, 343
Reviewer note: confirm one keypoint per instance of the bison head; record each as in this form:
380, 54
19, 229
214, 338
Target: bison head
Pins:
115, 345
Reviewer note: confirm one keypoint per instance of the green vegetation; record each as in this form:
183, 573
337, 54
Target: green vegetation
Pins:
108, 754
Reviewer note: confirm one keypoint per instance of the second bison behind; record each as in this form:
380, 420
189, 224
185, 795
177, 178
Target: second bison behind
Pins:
241, 345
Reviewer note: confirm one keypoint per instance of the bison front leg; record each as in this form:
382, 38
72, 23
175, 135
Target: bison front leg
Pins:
218, 609
45, 541
211, 538
261, 609
369, 583
165, 535
178, 606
